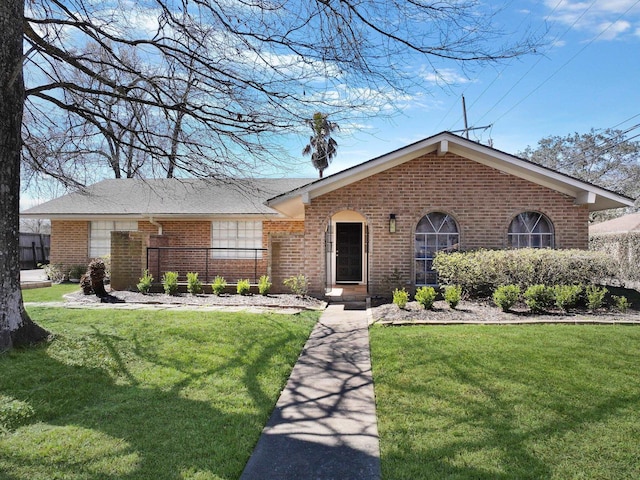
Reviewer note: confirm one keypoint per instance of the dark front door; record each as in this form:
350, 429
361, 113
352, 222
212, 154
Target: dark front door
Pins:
348, 252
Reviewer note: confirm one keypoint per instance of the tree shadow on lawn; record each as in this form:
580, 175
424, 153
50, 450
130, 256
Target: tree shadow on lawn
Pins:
114, 428
507, 448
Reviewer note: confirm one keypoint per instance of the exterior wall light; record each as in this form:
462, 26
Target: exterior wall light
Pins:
392, 223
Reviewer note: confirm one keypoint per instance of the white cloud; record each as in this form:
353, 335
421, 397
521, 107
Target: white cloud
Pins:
608, 19
446, 76
612, 30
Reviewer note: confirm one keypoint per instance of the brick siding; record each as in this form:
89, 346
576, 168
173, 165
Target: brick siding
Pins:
69, 243
482, 200
285, 240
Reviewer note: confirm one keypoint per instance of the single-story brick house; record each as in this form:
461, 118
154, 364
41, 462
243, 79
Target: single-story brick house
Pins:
385, 217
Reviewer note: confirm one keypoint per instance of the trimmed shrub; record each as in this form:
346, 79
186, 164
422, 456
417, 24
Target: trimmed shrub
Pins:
219, 285
481, 272
194, 286
539, 298
145, 282
400, 298
264, 285
97, 272
243, 287
170, 283
595, 296
566, 296
620, 303
76, 271
453, 295
297, 284
506, 296
624, 248
425, 296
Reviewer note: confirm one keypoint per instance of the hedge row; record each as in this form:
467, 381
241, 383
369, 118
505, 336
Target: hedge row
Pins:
481, 272
624, 248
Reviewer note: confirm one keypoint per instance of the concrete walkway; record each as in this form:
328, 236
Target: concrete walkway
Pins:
324, 424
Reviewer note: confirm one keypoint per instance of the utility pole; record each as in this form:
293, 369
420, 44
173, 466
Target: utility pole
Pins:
464, 113
467, 128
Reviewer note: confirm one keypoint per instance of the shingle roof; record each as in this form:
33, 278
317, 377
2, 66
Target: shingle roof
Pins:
626, 223
169, 197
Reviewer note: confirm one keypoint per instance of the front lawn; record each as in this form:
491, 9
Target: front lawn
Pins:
143, 394
54, 293
508, 402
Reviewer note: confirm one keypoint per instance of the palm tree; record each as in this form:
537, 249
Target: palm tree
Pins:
321, 147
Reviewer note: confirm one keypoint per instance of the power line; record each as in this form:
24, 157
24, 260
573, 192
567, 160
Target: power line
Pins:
556, 39
567, 62
625, 121
453, 104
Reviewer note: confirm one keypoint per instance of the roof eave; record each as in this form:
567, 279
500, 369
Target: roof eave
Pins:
597, 198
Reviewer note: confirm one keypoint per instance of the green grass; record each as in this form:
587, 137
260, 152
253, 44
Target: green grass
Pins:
527, 402
143, 394
54, 293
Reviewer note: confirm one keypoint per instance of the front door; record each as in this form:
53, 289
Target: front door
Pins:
348, 252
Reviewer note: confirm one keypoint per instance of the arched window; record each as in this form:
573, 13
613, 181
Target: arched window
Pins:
530, 229
435, 232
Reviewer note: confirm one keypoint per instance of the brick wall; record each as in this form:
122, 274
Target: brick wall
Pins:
127, 252
482, 200
69, 243
285, 241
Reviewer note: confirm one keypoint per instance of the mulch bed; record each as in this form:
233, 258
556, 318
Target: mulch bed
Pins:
231, 300
484, 312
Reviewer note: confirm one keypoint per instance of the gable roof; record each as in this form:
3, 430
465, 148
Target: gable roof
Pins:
624, 224
166, 198
598, 198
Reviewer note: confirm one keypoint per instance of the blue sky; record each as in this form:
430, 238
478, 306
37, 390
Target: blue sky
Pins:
586, 76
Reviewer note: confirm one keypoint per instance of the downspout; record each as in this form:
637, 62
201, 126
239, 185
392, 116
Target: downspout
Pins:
157, 224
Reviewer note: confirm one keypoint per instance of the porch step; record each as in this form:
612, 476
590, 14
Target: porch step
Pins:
347, 293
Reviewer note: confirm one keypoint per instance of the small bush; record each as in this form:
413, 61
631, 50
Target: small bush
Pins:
621, 303
298, 285
539, 298
170, 283
219, 285
567, 296
243, 287
145, 282
264, 285
595, 296
453, 295
425, 296
194, 286
53, 271
76, 271
97, 273
506, 296
400, 297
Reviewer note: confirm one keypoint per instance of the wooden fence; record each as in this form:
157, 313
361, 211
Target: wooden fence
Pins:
34, 249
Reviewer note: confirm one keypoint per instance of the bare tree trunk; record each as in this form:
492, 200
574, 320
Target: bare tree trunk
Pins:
16, 328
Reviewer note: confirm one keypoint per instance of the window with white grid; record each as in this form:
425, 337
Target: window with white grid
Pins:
435, 232
532, 230
100, 235
239, 237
